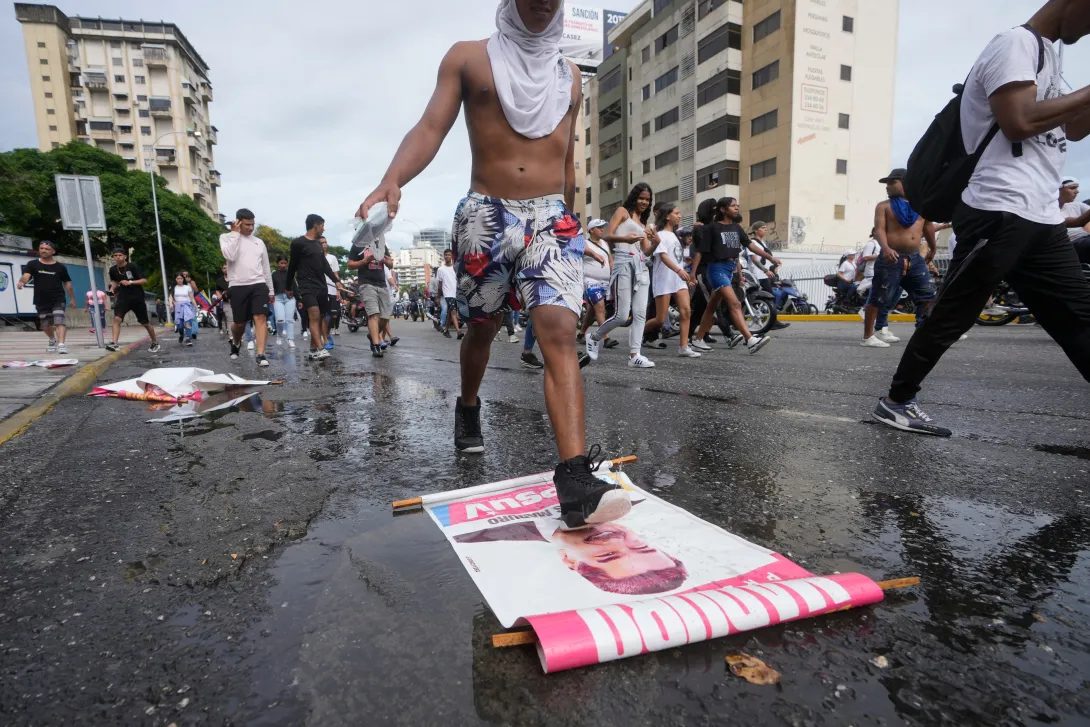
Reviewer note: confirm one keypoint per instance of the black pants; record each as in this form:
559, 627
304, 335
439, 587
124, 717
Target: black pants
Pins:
1037, 260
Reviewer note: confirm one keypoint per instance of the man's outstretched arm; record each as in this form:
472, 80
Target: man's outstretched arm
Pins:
422, 142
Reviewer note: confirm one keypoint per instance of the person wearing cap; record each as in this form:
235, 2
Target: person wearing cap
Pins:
50, 281
1076, 214
127, 283
597, 267
899, 230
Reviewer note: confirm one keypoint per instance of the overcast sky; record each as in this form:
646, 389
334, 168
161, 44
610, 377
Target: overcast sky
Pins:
312, 99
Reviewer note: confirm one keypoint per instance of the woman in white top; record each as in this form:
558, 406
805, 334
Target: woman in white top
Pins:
670, 278
185, 313
596, 270
632, 240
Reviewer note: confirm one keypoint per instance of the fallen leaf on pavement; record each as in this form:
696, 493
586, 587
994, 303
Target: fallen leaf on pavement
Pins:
752, 669
278, 522
1039, 617
234, 556
204, 561
880, 661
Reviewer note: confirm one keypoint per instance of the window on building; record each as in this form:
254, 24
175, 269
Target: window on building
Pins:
645, 54
148, 148
841, 166
666, 119
661, 5
764, 122
43, 61
41, 44
612, 147
725, 36
138, 80
838, 211
115, 43
761, 170
849, 24
610, 81
122, 112
119, 61
630, 73
56, 145
45, 78
765, 75
125, 129
724, 82
667, 195
646, 94
138, 62
144, 113
666, 80
75, 92
141, 97
630, 143
586, 106
48, 94
646, 166
845, 121
588, 195
119, 79
667, 157
145, 131
611, 182
630, 175
763, 214
51, 112
707, 6
610, 114
716, 175
52, 128
646, 129
714, 132
845, 73
665, 40
766, 27
629, 108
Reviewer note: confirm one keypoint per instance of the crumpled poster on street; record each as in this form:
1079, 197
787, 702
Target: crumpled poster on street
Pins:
171, 385
657, 578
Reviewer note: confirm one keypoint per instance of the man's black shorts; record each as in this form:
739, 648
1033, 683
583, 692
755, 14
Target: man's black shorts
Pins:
316, 299
248, 301
135, 305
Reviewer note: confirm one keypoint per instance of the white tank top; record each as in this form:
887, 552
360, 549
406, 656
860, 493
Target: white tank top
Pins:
183, 294
629, 227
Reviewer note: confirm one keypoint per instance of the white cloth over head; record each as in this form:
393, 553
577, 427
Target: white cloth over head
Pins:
533, 81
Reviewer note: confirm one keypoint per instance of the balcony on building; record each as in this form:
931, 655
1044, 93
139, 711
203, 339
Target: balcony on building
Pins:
159, 106
189, 93
101, 128
95, 79
212, 135
206, 91
214, 178
155, 55
165, 156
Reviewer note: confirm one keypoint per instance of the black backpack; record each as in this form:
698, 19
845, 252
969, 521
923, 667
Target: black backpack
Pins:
939, 168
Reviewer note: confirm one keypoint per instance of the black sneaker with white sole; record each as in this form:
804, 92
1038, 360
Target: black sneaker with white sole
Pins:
467, 427
908, 417
236, 350
112, 346
376, 350
584, 499
735, 340
530, 361
261, 360
155, 347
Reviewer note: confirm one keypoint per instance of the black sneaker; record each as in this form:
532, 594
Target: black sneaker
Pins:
907, 417
155, 347
112, 346
655, 343
461, 335
446, 333
586, 500
467, 427
584, 359
611, 343
376, 350
530, 361
189, 343
394, 340
236, 349
670, 333
580, 338
711, 339
735, 340
181, 336
780, 325
261, 360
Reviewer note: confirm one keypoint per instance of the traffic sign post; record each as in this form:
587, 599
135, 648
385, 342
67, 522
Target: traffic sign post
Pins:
80, 201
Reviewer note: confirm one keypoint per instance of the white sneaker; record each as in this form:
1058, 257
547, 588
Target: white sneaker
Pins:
279, 340
639, 361
874, 342
513, 338
883, 334
62, 348
593, 347
250, 346
51, 346
699, 345
756, 343
963, 336
291, 343
518, 328
687, 353
863, 313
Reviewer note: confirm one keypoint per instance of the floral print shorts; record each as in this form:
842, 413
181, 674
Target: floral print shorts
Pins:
532, 247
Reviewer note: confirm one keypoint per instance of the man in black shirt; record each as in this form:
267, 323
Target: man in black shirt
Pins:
50, 280
371, 261
127, 283
307, 263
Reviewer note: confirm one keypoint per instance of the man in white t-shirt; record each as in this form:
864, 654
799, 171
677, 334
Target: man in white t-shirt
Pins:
871, 250
332, 292
1008, 225
1076, 214
448, 294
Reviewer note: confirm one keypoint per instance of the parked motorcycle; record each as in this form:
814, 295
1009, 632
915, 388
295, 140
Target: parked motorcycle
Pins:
206, 319
758, 306
790, 300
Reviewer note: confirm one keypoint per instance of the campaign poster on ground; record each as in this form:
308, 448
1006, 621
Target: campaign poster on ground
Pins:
657, 578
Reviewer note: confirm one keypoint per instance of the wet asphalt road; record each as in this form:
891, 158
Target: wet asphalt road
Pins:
246, 569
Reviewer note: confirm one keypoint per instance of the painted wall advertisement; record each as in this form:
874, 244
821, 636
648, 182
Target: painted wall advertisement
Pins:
585, 28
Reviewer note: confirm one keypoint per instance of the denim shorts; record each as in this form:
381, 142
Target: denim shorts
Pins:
720, 274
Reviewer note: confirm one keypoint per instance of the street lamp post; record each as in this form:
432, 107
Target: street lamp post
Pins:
155, 205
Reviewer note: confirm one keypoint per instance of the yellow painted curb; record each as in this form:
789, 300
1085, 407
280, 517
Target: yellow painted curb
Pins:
823, 318
78, 383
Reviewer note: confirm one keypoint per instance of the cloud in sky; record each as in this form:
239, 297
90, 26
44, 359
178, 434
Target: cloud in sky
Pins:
312, 100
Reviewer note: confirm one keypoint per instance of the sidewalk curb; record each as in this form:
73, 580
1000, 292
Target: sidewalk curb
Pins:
829, 318
78, 383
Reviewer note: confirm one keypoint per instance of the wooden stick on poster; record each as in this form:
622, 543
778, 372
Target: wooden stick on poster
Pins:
523, 638
419, 501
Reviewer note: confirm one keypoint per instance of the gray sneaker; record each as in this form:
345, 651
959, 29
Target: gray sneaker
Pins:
908, 417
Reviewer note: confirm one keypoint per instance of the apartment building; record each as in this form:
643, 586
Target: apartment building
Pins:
439, 238
785, 104
413, 266
133, 88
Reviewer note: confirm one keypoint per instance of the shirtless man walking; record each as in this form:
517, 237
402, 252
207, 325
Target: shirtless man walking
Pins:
898, 229
514, 227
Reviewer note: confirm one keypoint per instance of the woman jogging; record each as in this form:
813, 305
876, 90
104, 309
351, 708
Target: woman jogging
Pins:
670, 278
632, 240
185, 313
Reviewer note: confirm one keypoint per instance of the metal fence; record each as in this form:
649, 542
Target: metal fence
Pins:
810, 279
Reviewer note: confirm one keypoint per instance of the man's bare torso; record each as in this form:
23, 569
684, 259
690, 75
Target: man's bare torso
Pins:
505, 163
902, 239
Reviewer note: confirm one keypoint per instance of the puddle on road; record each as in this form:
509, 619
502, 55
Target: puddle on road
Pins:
269, 435
1080, 452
